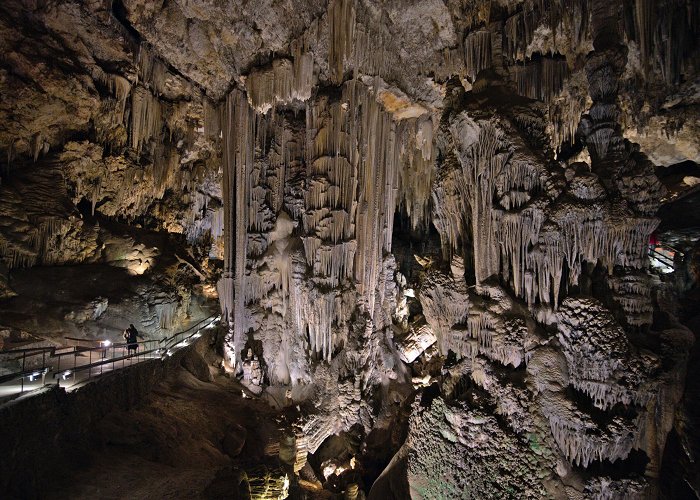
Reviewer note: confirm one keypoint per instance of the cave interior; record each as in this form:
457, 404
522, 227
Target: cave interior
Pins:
373, 249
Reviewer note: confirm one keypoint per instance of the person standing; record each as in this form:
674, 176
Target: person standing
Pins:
131, 336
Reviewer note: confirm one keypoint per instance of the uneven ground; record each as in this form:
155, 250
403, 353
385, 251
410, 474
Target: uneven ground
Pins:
175, 443
426, 223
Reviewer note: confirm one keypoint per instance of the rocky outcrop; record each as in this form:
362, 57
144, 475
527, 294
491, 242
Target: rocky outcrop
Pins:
385, 197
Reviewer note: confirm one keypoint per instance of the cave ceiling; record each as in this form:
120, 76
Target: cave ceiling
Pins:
433, 216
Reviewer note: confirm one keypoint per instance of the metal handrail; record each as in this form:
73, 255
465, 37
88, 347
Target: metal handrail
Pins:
30, 349
214, 317
175, 340
664, 259
105, 360
163, 347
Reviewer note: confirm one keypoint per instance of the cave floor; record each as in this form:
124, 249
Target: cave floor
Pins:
173, 444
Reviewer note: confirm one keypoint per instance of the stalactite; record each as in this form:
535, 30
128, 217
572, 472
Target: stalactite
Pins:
418, 172
212, 119
565, 111
477, 52
239, 136
541, 79
152, 72
120, 88
513, 43
37, 144
644, 28
518, 232
146, 118
341, 15
445, 309
449, 63
282, 83
481, 164
374, 134
163, 169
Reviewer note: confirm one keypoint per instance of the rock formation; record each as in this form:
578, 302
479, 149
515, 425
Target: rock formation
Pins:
427, 224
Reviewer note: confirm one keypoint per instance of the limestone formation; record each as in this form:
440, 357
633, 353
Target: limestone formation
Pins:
428, 226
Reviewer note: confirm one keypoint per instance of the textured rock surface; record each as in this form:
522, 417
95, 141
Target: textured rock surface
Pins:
426, 222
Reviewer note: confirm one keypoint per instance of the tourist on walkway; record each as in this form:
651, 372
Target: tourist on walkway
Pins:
131, 336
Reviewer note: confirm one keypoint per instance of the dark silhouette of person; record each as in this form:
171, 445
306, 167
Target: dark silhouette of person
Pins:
131, 335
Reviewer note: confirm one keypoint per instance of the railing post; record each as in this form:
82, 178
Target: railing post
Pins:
24, 357
89, 364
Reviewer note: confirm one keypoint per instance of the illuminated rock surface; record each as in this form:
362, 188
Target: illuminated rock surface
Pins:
426, 225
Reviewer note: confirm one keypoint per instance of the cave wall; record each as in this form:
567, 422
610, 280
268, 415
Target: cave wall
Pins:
378, 189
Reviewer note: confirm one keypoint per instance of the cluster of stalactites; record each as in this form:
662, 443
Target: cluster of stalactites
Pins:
564, 113
582, 442
520, 27
358, 163
357, 43
417, 173
353, 162
39, 246
146, 118
477, 52
341, 27
147, 112
468, 324
283, 82
482, 163
530, 246
239, 125
535, 258
541, 79
152, 72
666, 32
120, 88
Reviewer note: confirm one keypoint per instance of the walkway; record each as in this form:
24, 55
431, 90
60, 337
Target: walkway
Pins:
71, 367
